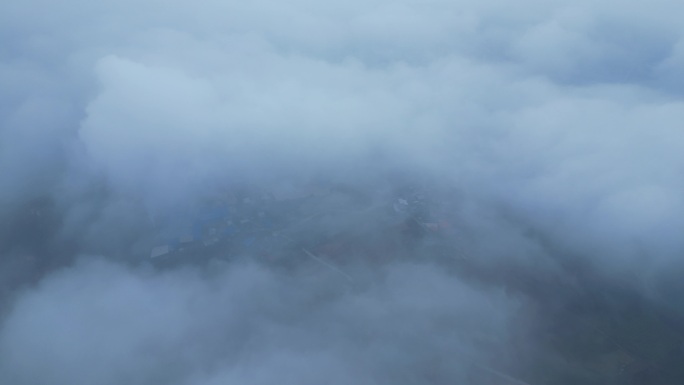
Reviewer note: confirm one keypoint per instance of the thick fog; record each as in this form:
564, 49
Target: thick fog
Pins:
545, 136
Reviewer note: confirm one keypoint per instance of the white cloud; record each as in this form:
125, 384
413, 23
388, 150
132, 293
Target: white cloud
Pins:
556, 119
99, 323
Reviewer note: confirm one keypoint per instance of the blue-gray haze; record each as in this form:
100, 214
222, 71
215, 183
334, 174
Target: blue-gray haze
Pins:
546, 135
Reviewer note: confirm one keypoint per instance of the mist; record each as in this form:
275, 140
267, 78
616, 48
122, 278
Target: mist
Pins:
334, 192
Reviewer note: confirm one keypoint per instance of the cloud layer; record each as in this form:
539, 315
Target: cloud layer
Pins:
554, 126
101, 323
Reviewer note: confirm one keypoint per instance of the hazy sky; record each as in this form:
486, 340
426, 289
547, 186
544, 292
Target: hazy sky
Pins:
552, 118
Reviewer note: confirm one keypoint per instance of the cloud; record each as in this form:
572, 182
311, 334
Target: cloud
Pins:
102, 323
550, 130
